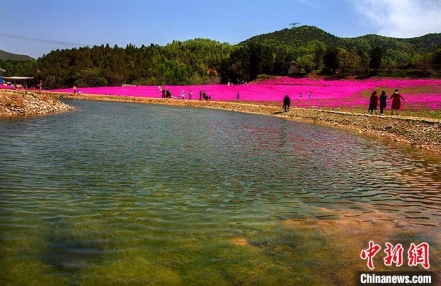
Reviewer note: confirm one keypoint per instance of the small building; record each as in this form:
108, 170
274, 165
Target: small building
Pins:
293, 68
17, 81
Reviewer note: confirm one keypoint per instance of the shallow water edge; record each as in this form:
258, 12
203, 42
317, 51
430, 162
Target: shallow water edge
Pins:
419, 133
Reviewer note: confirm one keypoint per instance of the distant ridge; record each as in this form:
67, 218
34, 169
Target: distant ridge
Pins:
14, 57
399, 51
298, 36
295, 36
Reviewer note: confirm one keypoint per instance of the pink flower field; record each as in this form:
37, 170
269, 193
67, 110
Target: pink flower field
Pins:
420, 93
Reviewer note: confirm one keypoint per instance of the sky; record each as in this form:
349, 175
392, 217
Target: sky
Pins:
35, 28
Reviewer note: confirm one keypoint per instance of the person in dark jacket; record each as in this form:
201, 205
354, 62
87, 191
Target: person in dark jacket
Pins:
286, 103
383, 101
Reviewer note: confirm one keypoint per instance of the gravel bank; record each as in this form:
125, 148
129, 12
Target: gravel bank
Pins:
24, 102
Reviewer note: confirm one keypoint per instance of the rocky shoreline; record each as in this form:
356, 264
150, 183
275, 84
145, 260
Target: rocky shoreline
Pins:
26, 102
421, 133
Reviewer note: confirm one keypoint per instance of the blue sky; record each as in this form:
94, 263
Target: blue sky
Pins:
36, 27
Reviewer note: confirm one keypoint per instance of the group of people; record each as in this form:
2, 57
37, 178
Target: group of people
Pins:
374, 102
381, 101
309, 95
166, 93
190, 94
204, 95
75, 90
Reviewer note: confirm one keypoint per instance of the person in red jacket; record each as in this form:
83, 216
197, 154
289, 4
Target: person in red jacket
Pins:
396, 102
373, 103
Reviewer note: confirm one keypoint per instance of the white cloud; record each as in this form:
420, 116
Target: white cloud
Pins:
401, 18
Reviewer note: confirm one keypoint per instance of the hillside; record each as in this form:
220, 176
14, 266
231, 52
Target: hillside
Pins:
303, 34
398, 50
13, 57
426, 43
295, 37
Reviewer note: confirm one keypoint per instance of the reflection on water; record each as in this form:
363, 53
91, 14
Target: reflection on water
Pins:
139, 194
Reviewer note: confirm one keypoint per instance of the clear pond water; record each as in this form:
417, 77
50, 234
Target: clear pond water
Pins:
131, 194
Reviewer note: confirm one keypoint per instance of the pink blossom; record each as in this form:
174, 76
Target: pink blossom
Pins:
324, 93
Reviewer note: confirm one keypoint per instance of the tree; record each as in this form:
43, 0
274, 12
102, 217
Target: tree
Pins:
376, 58
423, 61
414, 50
348, 60
247, 62
306, 63
436, 58
330, 59
364, 61
319, 52
174, 72
281, 64
261, 60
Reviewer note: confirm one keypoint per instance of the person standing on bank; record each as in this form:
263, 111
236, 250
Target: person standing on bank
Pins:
373, 102
286, 103
383, 101
396, 102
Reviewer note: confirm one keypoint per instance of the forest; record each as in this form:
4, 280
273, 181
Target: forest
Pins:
296, 51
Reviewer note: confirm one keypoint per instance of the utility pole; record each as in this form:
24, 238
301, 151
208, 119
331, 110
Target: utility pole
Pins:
294, 24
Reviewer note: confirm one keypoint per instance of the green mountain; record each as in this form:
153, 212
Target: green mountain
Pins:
396, 50
295, 37
426, 43
13, 57
298, 36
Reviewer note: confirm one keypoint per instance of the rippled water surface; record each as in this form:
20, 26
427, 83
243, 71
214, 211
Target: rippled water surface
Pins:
115, 194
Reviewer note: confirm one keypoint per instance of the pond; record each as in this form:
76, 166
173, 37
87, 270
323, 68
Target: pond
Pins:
132, 194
